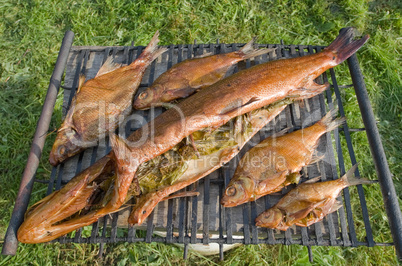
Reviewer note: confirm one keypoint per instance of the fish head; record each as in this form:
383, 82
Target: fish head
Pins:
66, 145
239, 191
148, 97
271, 218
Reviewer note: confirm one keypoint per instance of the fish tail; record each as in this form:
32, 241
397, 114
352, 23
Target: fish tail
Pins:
350, 179
152, 51
121, 151
329, 122
248, 51
344, 46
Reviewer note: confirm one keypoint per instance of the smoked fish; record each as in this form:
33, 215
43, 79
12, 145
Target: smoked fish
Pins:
308, 203
238, 94
276, 162
82, 201
184, 78
101, 104
212, 107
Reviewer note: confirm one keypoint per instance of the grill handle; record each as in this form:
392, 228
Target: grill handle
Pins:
21, 203
380, 160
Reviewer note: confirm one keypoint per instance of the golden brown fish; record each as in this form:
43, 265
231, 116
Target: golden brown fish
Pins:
238, 94
275, 162
184, 78
79, 202
219, 150
101, 104
308, 203
212, 107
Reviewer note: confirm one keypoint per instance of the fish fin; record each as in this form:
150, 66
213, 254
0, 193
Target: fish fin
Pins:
350, 179
207, 80
236, 105
182, 93
272, 184
248, 51
108, 66
294, 217
344, 46
151, 52
121, 151
312, 180
308, 89
182, 194
204, 55
316, 159
126, 166
280, 133
329, 122
81, 82
336, 206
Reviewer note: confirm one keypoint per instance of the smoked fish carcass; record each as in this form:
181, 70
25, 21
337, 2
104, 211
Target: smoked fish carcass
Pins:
190, 75
212, 107
101, 104
276, 162
309, 202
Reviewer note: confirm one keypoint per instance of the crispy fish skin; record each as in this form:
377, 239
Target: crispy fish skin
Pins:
101, 104
184, 78
308, 203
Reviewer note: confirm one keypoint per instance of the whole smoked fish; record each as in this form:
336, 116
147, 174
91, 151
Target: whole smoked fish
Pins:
212, 107
308, 203
101, 104
82, 200
184, 78
275, 162
238, 94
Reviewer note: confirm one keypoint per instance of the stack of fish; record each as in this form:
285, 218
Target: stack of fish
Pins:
193, 139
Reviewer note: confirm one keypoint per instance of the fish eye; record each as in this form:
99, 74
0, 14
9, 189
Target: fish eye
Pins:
62, 150
143, 95
231, 191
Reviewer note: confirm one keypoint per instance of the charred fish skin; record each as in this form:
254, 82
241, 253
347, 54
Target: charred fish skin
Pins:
184, 78
276, 162
308, 203
101, 104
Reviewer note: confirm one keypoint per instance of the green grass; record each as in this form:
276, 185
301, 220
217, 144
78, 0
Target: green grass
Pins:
30, 37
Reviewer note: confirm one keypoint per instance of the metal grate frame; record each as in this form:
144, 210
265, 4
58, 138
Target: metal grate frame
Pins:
202, 219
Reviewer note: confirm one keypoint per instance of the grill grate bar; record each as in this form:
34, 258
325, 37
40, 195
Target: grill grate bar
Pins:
341, 211
367, 226
205, 213
331, 217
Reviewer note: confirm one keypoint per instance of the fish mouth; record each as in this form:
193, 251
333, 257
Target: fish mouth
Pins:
139, 106
230, 203
259, 223
53, 159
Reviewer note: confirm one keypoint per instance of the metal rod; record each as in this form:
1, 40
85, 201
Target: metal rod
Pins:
310, 254
380, 161
10, 242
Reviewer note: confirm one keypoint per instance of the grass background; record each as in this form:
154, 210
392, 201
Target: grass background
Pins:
30, 37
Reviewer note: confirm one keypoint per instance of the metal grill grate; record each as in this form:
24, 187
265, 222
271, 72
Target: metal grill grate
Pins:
202, 219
